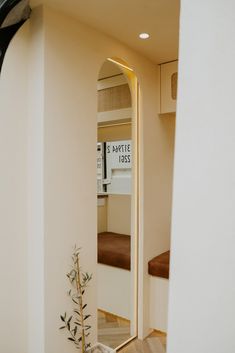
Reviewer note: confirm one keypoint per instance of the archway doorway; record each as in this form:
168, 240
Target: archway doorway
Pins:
117, 202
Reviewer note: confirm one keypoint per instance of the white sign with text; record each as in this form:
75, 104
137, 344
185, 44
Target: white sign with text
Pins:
119, 163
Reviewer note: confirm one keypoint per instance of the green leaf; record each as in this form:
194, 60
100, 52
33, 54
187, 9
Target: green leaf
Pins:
62, 318
84, 306
77, 323
69, 319
71, 339
62, 327
86, 317
75, 330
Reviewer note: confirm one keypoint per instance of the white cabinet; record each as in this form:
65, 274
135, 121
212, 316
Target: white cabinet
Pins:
169, 80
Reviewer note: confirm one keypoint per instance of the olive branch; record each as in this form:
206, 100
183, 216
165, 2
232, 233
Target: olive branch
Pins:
76, 323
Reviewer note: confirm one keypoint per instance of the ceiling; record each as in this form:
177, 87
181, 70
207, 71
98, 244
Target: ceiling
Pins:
125, 19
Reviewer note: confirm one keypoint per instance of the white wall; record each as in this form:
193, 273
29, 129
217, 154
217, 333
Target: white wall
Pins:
35, 100
101, 215
110, 296
158, 308
13, 191
202, 289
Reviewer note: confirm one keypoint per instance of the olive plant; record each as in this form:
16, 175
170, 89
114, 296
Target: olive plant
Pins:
76, 323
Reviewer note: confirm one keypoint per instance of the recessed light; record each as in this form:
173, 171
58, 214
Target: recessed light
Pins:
144, 35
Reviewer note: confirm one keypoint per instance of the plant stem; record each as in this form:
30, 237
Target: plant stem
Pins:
79, 290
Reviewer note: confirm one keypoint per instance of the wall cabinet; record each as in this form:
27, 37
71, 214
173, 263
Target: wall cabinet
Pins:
169, 80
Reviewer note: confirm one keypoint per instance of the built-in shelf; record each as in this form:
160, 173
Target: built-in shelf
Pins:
102, 196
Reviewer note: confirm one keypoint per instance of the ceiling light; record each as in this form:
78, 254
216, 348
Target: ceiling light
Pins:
144, 35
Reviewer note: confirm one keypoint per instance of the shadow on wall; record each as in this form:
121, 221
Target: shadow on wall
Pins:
13, 14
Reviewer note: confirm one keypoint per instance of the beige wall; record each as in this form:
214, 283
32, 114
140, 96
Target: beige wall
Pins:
114, 215
167, 129
74, 55
70, 167
119, 214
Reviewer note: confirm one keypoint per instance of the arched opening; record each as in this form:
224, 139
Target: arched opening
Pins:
117, 202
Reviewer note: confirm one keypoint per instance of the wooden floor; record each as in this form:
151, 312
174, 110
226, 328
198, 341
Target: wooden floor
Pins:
112, 330
155, 343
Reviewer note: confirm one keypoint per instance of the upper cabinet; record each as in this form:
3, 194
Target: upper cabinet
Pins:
169, 80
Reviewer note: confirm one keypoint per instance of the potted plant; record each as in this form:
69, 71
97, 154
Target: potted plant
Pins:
76, 324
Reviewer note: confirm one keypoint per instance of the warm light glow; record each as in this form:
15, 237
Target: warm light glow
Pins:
144, 35
120, 64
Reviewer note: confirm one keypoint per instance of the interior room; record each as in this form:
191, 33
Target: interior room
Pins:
117, 162
117, 158
115, 185
101, 139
